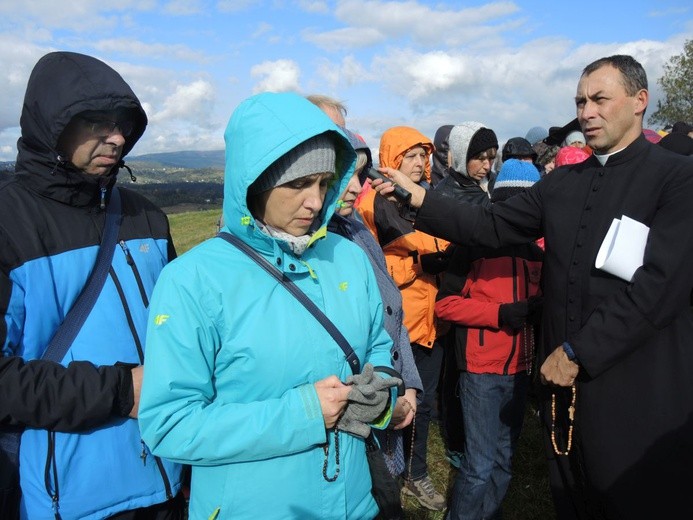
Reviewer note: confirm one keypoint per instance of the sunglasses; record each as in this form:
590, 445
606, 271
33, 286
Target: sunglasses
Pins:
105, 127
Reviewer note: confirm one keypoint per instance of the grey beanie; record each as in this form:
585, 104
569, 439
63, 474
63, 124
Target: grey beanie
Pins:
458, 143
316, 155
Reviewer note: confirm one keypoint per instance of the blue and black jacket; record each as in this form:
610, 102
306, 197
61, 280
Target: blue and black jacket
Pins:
51, 221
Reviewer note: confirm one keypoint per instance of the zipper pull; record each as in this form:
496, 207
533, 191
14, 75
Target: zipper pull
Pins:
126, 250
55, 504
143, 455
102, 204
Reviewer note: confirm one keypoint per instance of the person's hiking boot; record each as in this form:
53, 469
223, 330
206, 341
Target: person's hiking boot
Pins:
423, 491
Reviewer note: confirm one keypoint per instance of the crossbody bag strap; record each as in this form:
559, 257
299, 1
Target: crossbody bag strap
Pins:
69, 328
351, 357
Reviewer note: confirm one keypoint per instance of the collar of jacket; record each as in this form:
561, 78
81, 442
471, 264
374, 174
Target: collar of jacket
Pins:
462, 180
66, 184
627, 154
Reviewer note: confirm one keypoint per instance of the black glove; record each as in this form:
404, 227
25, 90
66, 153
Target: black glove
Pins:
513, 315
536, 306
434, 263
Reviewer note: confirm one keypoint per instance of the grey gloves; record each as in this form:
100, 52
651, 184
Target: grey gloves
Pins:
367, 400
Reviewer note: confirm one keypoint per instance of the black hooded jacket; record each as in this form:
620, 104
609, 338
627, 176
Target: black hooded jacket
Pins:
50, 210
439, 162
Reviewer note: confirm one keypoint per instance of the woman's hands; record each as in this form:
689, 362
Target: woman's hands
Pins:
332, 394
405, 410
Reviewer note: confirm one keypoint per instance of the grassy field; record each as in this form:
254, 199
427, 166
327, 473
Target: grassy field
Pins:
528, 497
189, 229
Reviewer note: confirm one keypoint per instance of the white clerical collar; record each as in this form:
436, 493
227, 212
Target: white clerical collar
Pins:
603, 158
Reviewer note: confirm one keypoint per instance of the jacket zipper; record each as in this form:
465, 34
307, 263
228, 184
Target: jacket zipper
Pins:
140, 354
131, 262
164, 477
515, 299
128, 316
51, 468
528, 362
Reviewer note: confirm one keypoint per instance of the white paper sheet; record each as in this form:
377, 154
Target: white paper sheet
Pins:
623, 248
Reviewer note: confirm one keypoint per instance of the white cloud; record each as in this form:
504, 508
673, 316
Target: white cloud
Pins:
234, 6
127, 46
7, 152
188, 102
314, 6
84, 15
17, 59
424, 24
183, 7
262, 29
343, 74
680, 11
276, 76
412, 62
348, 37
182, 118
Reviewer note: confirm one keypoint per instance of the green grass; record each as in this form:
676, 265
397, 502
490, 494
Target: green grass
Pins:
528, 498
189, 229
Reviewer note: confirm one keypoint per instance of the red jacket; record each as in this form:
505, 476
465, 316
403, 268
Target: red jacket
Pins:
472, 290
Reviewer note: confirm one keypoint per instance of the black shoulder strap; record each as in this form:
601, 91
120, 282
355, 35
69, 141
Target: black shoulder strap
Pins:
67, 332
351, 356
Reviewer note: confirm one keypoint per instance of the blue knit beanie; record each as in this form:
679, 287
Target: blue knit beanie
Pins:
536, 134
515, 176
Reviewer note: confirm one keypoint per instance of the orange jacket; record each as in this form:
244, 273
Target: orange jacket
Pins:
401, 243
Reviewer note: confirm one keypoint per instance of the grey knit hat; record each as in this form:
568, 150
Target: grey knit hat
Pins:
316, 155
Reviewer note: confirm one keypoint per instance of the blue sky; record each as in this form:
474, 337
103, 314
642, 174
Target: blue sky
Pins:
511, 65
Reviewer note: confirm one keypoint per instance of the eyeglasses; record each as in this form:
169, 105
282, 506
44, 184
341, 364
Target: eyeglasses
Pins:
105, 127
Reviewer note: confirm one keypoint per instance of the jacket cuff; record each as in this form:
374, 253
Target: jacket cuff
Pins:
569, 351
383, 420
125, 399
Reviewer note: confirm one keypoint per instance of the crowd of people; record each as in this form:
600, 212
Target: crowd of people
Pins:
329, 313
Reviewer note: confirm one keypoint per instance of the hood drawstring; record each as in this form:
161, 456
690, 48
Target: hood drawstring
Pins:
122, 164
59, 161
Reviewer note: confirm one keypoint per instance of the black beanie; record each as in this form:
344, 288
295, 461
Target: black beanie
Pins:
481, 141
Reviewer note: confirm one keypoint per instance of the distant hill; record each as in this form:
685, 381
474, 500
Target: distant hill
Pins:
213, 159
170, 180
192, 160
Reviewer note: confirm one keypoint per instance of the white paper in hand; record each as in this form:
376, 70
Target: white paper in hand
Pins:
623, 248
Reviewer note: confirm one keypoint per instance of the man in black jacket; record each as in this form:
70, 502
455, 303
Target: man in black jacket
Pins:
615, 354
80, 453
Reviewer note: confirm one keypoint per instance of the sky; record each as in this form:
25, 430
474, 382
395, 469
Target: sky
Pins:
510, 65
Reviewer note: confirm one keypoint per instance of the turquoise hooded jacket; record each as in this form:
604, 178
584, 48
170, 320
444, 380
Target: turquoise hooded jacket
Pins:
232, 357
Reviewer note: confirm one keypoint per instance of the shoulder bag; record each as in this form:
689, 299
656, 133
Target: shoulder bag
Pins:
385, 489
64, 336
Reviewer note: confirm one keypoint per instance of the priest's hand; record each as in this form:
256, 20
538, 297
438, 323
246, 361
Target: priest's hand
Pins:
558, 370
385, 188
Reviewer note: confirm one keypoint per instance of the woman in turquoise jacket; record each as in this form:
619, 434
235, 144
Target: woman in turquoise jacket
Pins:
242, 382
